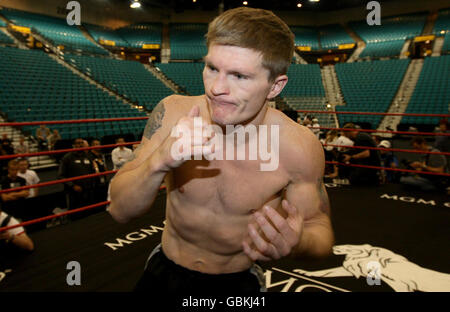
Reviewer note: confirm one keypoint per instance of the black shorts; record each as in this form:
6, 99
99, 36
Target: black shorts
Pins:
162, 275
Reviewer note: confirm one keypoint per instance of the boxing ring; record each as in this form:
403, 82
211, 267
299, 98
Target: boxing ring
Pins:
387, 224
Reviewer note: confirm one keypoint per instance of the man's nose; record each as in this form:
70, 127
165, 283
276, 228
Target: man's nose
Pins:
220, 85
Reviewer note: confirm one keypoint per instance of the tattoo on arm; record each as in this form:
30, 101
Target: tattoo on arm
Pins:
324, 201
155, 120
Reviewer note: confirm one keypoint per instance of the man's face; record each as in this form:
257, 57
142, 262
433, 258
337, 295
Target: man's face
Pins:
79, 143
13, 170
420, 147
23, 166
236, 84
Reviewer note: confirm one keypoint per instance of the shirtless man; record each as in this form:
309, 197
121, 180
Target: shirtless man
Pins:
222, 216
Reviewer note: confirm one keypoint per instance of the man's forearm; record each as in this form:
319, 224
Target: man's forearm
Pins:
134, 191
316, 242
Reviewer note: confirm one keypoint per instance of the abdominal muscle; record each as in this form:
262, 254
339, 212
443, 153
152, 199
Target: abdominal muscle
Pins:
204, 240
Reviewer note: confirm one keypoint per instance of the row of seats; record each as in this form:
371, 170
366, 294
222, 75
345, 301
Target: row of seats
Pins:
306, 36
54, 29
104, 33
369, 86
137, 35
5, 39
383, 49
24, 99
331, 36
128, 78
432, 92
186, 75
187, 41
304, 80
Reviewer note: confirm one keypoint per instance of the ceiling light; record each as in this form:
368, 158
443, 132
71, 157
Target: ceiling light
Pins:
299, 5
135, 4
245, 3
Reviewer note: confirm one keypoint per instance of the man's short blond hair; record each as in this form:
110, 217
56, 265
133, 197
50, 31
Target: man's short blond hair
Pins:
255, 29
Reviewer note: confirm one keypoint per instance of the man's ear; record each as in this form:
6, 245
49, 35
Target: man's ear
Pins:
277, 86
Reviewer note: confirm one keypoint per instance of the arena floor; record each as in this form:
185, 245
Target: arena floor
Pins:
405, 232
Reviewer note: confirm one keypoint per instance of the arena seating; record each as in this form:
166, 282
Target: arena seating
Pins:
369, 87
55, 30
331, 36
385, 39
306, 36
443, 25
304, 80
2, 22
128, 78
5, 39
33, 87
432, 92
187, 41
139, 34
186, 75
103, 33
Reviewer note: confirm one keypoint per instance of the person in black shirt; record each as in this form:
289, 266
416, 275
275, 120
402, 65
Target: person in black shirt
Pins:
79, 193
13, 203
99, 163
7, 144
369, 157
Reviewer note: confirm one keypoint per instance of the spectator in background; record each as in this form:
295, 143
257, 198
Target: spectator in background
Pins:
52, 139
42, 134
29, 175
427, 163
21, 147
442, 142
14, 202
7, 144
388, 160
121, 154
99, 163
369, 157
343, 140
314, 127
331, 154
80, 192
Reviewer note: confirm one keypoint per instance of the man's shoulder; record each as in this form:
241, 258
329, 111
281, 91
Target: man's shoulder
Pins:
177, 101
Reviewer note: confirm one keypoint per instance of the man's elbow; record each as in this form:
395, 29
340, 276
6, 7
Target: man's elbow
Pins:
116, 215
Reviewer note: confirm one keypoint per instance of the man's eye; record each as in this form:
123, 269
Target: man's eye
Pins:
212, 68
239, 76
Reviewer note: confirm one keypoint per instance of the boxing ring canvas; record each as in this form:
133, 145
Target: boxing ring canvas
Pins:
387, 239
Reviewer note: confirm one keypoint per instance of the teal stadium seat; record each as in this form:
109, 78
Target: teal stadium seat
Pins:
442, 28
386, 40
56, 30
432, 92
187, 41
187, 75
331, 36
104, 33
369, 87
128, 78
306, 36
33, 87
137, 35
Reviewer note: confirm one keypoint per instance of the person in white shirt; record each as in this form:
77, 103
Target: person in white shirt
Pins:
16, 236
315, 127
121, 154
343, 141
29, 175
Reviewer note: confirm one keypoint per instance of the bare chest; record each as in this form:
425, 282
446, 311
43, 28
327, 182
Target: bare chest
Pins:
235, 187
